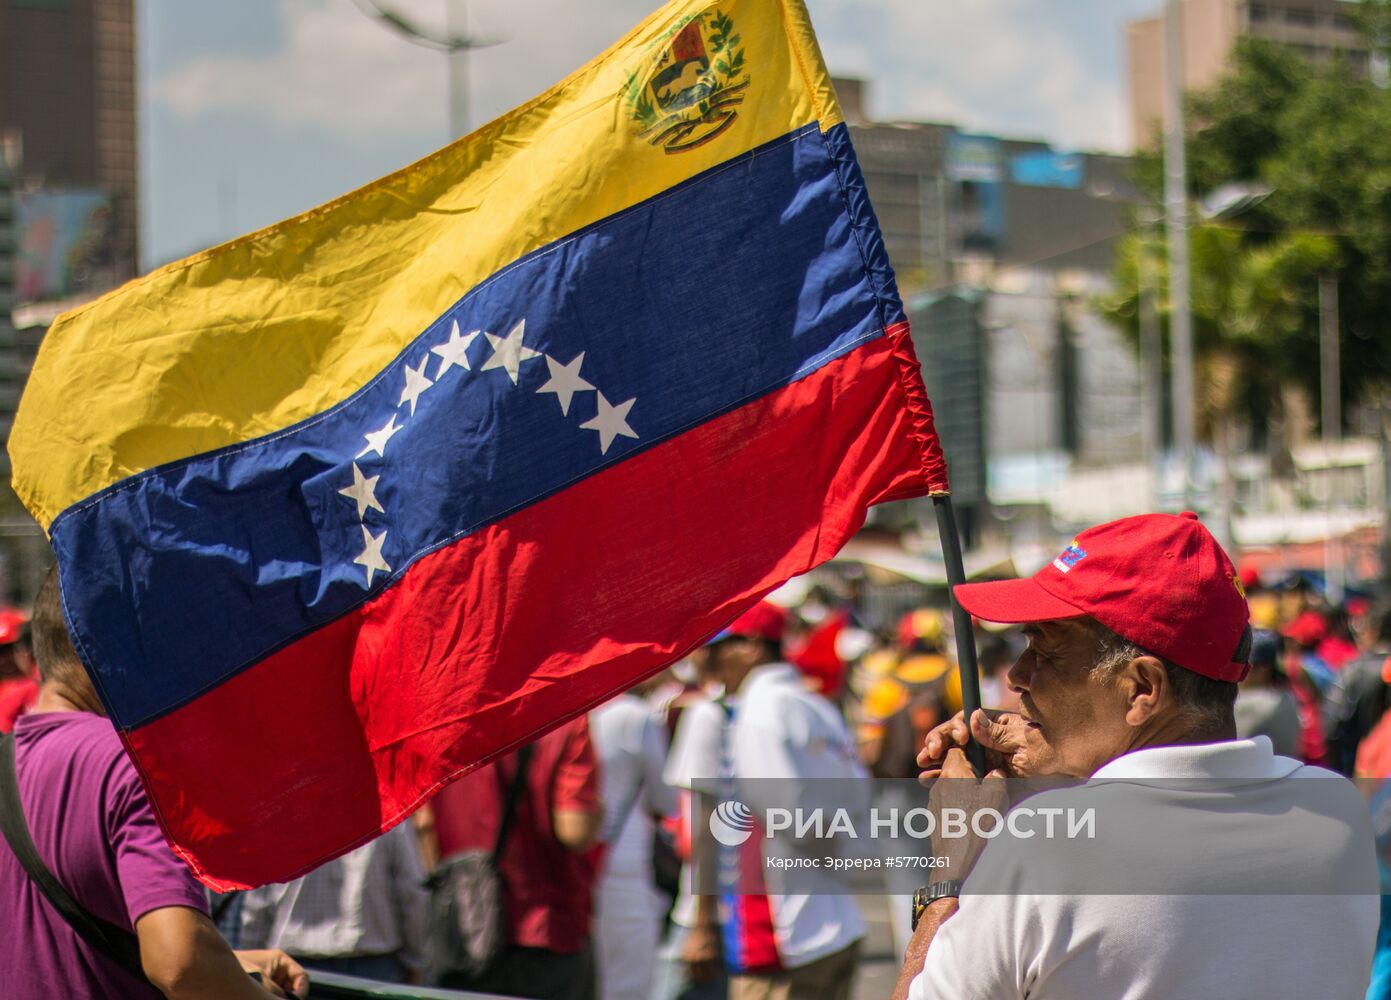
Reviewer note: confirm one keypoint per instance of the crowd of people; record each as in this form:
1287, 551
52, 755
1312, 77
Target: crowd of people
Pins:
588, 828
566, 868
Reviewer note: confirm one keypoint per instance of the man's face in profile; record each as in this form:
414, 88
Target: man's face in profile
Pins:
1076, 720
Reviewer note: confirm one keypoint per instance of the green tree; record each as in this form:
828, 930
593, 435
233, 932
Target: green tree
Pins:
1250, 306
1316, 136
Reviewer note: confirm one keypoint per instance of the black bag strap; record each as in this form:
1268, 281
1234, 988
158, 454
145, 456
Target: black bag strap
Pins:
116, 943
509, 804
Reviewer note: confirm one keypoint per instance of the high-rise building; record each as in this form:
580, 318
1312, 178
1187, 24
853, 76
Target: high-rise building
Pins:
1320, 30
68, 208
68, 143
67, 95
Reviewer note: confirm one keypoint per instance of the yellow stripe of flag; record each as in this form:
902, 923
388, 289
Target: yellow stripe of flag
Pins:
259, 333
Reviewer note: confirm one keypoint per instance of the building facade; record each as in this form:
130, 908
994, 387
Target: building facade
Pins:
68, 202
67, 101
1320, 30
1000, 245
69, 147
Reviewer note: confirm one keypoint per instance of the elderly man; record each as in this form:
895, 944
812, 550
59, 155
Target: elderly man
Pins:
1215, 867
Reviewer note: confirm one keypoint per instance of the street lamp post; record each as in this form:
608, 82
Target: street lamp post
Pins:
455, 43
1176, 205
1227, 202
1331, 416
455, 26
1151, 358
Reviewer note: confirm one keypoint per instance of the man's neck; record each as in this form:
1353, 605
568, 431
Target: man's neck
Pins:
1174, 734
55, 697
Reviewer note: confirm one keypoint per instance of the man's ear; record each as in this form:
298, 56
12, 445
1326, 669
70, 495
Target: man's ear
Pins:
1145, 681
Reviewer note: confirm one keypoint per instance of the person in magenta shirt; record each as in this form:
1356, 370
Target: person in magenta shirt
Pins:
93, 827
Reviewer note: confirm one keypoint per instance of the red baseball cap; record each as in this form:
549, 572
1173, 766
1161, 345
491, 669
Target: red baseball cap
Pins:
764, 620
1160, 581
1308, 629
12, 622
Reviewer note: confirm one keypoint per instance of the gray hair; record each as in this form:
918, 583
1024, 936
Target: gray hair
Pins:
1208, 703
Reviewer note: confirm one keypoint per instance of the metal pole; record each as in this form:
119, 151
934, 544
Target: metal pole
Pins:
1151, 368
1176, 206
965, 636
456, 27
1331, 407
1384, 406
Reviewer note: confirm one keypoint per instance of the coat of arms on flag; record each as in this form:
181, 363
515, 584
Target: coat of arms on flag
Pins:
352, 504
689, 94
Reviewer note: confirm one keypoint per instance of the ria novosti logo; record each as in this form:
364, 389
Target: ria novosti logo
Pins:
731, 823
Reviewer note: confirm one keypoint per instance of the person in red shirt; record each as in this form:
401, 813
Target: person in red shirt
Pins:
19, 676
547, 864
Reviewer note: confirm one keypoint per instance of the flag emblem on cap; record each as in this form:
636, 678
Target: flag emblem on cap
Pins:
1070, 557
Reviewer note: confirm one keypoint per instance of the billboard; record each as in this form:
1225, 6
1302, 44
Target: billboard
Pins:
1048, 168
64, 243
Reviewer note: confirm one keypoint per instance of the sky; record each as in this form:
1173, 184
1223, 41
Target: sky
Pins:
257, 110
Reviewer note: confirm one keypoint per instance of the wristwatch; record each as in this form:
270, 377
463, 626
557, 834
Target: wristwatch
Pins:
928, 893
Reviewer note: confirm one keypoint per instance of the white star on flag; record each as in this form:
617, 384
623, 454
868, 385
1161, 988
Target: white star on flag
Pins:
416, 383
610, 422
376, 441
363, 491
453, 351
371, 557
565, 381
509, 352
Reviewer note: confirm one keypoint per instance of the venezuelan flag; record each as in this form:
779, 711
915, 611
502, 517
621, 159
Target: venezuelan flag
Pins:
349, 505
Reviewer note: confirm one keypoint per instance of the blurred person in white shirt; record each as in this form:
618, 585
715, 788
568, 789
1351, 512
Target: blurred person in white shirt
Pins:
779, 741
631, 744
364, 914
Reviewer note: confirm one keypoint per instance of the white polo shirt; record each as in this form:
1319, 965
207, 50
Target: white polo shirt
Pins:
783, 731
1210, 815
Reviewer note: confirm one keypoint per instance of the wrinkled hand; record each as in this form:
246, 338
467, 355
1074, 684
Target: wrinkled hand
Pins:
1012, 746
959, 789
702, 953
281, 975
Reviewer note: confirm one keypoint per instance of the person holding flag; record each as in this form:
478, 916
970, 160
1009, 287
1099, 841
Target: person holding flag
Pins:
1216, 868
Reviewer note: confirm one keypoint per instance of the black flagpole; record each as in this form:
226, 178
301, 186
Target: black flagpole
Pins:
965, 635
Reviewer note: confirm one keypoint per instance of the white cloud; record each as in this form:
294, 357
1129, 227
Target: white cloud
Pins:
1008, 66
1002, 65
334, 71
